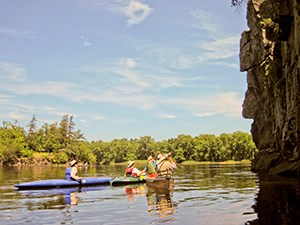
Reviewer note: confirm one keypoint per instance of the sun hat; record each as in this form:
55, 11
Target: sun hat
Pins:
150, 157
130, 164
73, 162
159, 156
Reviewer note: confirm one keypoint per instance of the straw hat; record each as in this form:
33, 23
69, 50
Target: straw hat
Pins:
73, 162
159, 156
150, 158
130, 164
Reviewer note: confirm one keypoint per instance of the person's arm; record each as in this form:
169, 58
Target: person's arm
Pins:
172, 162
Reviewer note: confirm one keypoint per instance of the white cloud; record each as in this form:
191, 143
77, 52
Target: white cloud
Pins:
205, 114
228, 104
17, 33
222, 48
85, 41
128, 62
206, 21
136, 12
12, 71
213, 46
167, 116
15, 116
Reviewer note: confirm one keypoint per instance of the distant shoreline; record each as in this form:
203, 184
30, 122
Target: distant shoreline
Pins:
188, 163
140, 163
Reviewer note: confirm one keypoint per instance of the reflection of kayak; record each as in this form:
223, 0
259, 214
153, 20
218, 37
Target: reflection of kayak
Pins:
63, 183
127, 180
59, 191
161, 182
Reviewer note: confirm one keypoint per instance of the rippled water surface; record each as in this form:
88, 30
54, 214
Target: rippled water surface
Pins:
203, 194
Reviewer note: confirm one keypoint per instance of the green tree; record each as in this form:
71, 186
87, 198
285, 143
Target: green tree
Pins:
13, 143
31, 135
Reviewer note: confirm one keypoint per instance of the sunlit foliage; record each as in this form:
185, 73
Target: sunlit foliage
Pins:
59, 142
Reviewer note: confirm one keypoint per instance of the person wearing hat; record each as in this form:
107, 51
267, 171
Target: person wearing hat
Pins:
165, 165
71, 172
150, 168
131, 171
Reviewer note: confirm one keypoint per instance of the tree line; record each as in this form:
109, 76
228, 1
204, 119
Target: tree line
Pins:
57, 143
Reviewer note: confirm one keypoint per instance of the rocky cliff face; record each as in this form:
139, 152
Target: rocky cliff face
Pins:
269, 52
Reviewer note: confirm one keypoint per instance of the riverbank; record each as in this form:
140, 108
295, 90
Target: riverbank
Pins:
139, 163
190, 163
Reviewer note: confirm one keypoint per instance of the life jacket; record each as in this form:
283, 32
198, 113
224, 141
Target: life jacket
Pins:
164, 169
129, 172
151, 168
68, 173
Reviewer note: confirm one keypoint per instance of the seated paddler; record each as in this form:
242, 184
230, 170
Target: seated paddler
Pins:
71, 172
150, 168
165, 165
131, 171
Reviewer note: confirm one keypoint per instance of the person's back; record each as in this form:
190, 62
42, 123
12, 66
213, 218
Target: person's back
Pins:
71, 171
68, 173
165, 166
131, 171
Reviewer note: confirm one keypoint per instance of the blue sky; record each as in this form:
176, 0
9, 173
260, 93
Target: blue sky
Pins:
124, 68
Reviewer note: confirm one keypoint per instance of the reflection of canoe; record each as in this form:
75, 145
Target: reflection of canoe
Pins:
63, 183
161, 182
126, 180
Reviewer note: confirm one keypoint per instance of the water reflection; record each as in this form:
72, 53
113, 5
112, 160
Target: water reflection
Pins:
160, 200
132, 191
71, 198
211, 194
54, 198
278, 201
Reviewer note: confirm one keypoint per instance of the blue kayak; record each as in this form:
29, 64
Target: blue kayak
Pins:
63, 183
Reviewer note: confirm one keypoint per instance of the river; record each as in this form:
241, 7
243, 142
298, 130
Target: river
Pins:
210, 194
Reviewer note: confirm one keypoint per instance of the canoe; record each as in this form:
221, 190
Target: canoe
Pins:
127, 180
166, 183
63, 183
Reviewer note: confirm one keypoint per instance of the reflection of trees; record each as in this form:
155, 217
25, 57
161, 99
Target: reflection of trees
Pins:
215, 175
278, 201
160, 200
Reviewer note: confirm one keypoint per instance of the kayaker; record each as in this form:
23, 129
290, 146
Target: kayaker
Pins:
165, 165
131, 171
71, 172
150, 168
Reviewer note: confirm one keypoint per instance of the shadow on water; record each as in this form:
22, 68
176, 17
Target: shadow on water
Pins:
278, 201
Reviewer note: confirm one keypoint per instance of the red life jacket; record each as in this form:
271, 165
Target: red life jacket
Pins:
128, 172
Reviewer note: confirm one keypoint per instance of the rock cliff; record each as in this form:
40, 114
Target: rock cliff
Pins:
269, 52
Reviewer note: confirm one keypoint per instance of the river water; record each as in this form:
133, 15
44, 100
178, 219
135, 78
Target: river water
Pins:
211, 194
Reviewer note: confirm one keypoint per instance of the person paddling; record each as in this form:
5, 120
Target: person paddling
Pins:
71, 172
131, 171
150, 168
165, 165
